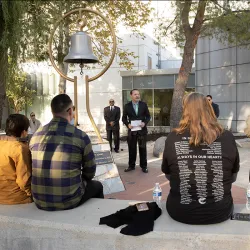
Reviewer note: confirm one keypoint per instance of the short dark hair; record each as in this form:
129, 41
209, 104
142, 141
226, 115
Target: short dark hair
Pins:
60, 103
210, 96
131, 92
16, 124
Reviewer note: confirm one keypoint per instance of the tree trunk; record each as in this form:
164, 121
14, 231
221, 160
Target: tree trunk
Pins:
191, 35
181, 83
2, 92
3, 67
63, 49
62, 82
63, 46
16, 110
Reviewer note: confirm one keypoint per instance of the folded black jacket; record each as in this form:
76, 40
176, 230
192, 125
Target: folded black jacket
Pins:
138, 222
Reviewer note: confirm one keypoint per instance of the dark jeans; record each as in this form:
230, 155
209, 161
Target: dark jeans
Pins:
94, 189
116, 134
132, 148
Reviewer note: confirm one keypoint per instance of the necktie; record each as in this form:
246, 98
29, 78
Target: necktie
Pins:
136, 109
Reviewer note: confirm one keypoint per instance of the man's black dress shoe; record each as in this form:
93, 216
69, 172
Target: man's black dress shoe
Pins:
116, 150
144, 170
129, 169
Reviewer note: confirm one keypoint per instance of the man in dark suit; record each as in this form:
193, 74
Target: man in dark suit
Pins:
136, 110
214, 105
112, 116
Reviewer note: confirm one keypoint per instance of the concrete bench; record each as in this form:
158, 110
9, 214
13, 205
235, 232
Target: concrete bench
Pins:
24, 227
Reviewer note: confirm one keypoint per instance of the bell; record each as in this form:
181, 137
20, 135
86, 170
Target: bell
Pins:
81, 49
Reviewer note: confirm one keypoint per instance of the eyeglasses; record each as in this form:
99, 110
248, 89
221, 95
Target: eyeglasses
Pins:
111, 101
32, 115
69, 109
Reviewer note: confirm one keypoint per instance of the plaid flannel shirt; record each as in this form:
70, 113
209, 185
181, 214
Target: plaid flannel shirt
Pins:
62, 158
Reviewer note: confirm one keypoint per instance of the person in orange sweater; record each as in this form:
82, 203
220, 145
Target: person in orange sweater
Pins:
15, 162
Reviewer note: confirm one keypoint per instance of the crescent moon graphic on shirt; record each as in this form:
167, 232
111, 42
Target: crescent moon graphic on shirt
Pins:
202, 201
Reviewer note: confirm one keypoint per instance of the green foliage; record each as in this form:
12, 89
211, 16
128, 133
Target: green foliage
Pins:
228, 21
18, 90
11, 13
232, 27
25, 27
41, 16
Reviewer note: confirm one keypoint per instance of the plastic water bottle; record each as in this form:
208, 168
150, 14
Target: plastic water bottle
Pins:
157, 193
248, 197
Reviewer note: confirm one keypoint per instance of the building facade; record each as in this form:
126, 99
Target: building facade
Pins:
44, 82
154, 83
223, 71
156, 89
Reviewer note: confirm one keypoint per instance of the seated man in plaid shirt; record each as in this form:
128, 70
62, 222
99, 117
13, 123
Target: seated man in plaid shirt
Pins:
63, 163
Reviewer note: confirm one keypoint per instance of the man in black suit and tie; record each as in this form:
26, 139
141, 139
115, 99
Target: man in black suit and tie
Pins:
214, 105
136, 110
112, 116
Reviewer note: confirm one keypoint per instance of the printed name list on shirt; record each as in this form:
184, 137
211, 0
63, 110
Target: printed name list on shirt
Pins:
194, 170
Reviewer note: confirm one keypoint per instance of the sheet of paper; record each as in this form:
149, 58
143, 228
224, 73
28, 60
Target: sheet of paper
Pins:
136, 125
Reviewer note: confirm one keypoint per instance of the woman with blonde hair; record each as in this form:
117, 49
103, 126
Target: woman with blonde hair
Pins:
201, 161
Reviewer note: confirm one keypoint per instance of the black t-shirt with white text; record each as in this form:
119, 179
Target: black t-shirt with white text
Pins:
200, 178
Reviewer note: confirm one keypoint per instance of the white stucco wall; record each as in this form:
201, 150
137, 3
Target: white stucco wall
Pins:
106, 87
110, 84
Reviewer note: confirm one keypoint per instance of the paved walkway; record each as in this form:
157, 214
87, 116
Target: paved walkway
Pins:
139, 186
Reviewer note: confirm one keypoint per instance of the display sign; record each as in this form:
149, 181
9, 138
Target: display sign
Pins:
103, 157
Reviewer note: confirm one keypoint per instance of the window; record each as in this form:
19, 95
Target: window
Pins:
163, 81
45, 83
126, 96
127, 82
33, 82
162, 106
39, 83
149, 62
191, 80
146, 96
143, 82
157, 92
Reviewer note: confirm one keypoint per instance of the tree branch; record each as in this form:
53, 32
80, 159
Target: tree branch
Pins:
222, 7
185, 17
199, 18
170, 24
240, 11
230, 13
98, 48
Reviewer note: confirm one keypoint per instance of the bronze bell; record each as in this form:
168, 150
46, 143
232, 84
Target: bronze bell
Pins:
80, 49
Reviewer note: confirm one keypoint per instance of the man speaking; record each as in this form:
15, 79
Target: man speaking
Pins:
136, 117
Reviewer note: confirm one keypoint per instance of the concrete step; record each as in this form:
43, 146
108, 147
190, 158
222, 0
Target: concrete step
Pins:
24, 227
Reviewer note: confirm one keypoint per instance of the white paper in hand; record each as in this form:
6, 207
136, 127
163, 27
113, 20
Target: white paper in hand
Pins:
136, 125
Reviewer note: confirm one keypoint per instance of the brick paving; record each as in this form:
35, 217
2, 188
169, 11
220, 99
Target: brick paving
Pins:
139, 186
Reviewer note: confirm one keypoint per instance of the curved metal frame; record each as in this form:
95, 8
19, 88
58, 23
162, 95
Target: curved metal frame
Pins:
86, 78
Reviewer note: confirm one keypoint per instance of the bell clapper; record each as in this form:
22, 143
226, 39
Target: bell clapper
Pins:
81, 67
